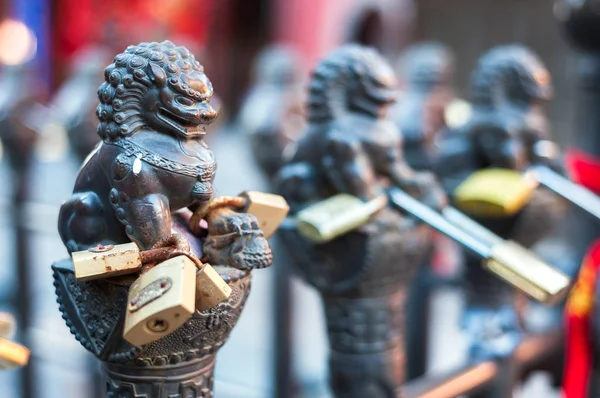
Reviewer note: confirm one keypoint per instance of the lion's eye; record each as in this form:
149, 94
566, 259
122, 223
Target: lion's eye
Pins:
185, 101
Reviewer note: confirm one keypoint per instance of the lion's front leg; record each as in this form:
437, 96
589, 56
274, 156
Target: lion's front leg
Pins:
146, 219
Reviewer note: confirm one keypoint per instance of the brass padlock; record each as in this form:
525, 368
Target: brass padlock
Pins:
160, 300
211, 289
106, 261
336, 216
13, 355
522, 269
269, 209
494, 193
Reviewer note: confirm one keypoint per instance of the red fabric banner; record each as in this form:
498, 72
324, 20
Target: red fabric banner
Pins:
584, 169
578, 312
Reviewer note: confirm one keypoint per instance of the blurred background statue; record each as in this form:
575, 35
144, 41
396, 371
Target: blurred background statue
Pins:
273, 111
508, 130
73, 107
426, 73
363, 275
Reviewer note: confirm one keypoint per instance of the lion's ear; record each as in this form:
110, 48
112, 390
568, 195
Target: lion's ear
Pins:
159, 75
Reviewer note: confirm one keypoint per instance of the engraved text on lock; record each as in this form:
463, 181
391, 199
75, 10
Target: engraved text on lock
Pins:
150, 293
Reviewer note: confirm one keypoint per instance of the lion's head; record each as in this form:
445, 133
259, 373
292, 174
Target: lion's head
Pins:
158, 86
510, 73
351, 78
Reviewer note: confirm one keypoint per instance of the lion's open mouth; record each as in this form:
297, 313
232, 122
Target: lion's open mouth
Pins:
185, 127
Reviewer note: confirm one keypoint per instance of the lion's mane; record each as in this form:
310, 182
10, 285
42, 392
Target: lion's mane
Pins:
129, 77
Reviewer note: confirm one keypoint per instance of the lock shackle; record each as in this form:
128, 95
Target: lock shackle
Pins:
205, 211
199, 264
160, 250
176, 240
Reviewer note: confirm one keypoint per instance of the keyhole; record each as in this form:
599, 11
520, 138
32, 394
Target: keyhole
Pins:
157, 325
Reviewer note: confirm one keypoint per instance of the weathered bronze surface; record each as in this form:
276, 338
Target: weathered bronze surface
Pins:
363, 275
139, 185
509, 89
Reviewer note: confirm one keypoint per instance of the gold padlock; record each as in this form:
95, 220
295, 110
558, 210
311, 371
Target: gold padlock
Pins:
336, 216
160, 300
494, 193
106, 261
522, 269
269, 209
211, 289
13, 355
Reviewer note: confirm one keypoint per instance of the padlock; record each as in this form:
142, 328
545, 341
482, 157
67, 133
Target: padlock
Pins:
269, 209
160, 300
13, 355
522, 269
494, 193
211, 289
508, 260
336, 216
106, 261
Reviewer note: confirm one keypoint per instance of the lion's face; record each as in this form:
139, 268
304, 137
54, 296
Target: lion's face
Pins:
375, 87
158, 86
180, 105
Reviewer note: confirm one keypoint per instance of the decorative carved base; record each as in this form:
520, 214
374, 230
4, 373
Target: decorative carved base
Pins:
363, 278
367, 349
179, 365
185, 380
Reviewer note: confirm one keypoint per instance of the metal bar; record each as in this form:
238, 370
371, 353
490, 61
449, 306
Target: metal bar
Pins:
469, 225
405, 202
574, 193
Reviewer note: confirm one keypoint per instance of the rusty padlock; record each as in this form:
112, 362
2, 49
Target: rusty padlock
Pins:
106, 261
167, 292
165, 296
160, 300
269, 209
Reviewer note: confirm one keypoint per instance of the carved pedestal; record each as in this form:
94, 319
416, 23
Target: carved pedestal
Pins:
193, 379
363, 278
179, 365
367, 349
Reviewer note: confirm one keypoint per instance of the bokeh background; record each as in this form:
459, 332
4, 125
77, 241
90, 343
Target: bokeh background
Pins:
45, 43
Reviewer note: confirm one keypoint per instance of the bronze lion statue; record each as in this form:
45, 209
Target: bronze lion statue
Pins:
154, 109
151, 171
